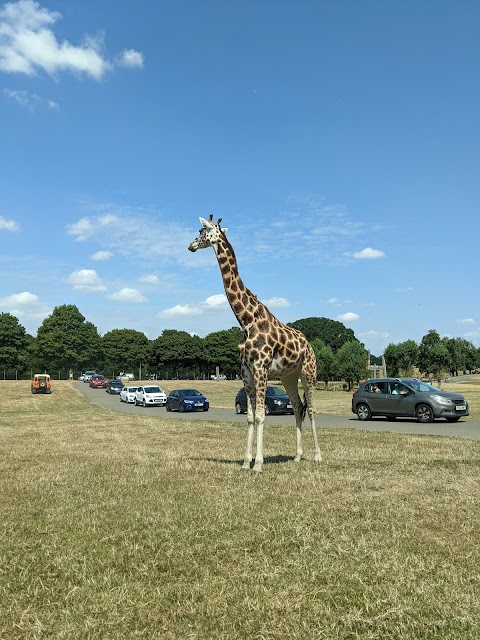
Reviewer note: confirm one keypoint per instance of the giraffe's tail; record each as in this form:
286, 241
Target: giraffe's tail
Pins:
303, 412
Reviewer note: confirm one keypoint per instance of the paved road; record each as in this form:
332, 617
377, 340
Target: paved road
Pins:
465, 428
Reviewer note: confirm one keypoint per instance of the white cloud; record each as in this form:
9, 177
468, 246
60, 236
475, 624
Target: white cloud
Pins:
128, 295
276, 302
347, 317
24, 298
180, 310
83, 229
101, 255
108, 218
86, 280
30, 100
218, 301
149, 279
466, 321
332, 301
374, 334
131, 59
368, 254
28, 44
215, 303
8, 225
404, 289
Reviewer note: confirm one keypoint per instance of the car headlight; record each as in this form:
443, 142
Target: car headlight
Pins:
440, 399
279, 402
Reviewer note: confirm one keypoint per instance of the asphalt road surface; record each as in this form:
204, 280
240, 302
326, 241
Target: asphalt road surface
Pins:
465, 428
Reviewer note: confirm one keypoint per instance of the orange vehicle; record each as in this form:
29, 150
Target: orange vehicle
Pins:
41, 383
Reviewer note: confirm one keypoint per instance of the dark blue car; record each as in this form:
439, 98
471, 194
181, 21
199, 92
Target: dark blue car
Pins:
186, 400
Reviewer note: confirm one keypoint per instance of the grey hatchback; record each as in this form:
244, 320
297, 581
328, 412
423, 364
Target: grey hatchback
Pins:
409, 398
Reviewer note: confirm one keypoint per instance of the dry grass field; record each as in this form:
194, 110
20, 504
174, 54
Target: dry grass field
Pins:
115, 525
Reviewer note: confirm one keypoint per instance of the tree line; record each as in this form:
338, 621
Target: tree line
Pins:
66, 342
434, 356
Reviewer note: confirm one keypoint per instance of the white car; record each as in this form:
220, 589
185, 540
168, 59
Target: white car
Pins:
127, 394
150, 396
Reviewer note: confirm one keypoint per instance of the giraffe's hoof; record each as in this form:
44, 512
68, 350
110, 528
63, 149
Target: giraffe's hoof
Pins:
318, 457
297, 458
257, 469
246, 466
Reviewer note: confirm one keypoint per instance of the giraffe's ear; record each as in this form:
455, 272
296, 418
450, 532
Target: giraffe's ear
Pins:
224, 229
205, 223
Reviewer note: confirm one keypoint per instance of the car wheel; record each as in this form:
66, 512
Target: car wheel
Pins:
144, 404
205, 408
363, 412
167, 407
181, 408
268, 411
424, 413
453, 419
238, 408
136, 403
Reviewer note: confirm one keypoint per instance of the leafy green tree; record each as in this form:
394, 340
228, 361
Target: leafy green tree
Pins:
351, 362
392, 360
65, 340
125, 350
221, 349
457, 349
429, 340
325, 360
333, 333
14, 344
439, 361
407, 354
176, 353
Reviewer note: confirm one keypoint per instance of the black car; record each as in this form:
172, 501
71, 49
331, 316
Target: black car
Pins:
276, 401
186, 400
409, 398
114, 386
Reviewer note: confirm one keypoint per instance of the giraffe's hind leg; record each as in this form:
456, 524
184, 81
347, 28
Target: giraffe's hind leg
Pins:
309, 382
291, 387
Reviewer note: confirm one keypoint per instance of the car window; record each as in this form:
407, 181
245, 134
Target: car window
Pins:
275, 391
376, 387
152, 390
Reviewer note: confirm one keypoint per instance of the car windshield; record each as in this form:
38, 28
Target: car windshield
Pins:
189, 392
275, 391
98, 377
132, 389
152, 390
421, 386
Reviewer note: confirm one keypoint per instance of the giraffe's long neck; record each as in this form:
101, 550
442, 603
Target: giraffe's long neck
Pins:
243, 302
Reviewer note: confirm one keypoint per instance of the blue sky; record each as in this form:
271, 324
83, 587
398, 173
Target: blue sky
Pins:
338, 140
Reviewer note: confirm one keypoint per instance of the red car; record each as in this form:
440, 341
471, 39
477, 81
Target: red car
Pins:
98, 382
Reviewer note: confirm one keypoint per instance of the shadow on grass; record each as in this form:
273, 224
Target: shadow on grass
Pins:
278, 459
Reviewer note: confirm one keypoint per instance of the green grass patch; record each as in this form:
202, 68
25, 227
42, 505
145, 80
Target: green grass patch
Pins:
125, 526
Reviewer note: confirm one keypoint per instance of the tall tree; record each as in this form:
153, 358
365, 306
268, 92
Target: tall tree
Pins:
351, 361
125, 350
175, 353
325, 360
333, 333
429, 340
14, 344
221, 349
65, 340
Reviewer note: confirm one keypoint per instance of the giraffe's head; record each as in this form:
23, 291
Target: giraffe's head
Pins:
209, 234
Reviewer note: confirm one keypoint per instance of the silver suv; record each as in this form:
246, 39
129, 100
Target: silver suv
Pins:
407, 397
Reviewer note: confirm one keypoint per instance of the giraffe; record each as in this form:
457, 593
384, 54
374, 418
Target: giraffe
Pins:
269, 349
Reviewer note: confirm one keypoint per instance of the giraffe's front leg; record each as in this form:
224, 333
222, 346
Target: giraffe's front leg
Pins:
248, 452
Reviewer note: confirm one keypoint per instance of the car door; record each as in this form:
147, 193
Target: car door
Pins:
401, 399
378, 400
139, 394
